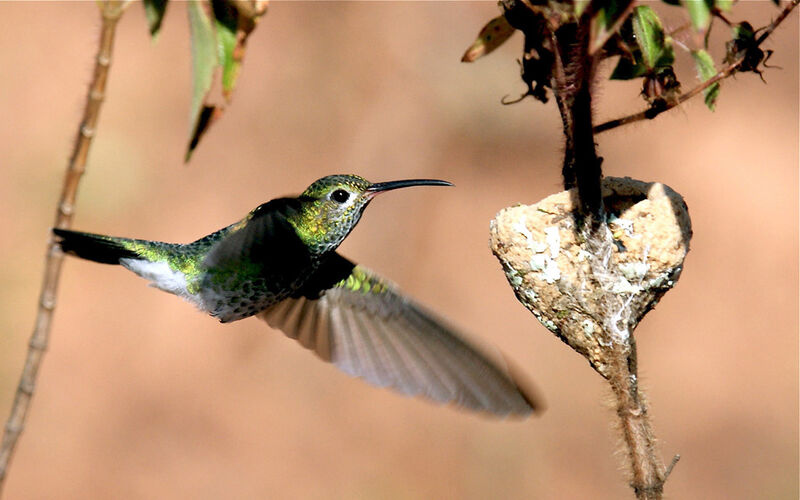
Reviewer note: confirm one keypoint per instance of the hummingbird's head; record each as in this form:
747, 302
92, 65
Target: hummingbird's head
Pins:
332, 206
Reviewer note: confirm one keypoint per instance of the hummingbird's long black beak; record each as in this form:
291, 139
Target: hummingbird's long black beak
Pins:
387, 186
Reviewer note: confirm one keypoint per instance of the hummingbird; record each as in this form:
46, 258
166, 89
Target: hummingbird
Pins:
279, 263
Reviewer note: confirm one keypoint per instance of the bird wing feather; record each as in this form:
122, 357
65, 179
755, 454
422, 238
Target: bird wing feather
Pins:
366, 328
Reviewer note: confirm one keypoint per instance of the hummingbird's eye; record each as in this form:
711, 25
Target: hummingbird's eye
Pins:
340, 196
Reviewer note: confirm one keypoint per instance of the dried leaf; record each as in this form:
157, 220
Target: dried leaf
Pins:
154, 11
491, 36
705, 71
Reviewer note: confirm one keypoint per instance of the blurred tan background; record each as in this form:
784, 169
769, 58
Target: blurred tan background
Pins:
140, 396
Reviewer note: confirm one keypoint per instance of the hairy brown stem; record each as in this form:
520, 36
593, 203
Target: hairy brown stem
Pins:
651, 113
648, 472
111, 10
572, 80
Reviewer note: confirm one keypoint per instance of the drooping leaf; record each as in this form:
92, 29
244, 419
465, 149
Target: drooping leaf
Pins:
208, 114
204, 62
226, 20
154, 11
724, 5
649, 34
493, 35
219, 30
705, 71
699, 13
649, 50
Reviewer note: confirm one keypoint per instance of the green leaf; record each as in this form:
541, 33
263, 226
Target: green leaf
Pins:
649, 34
204, 60
491, 36
699, 13
154, 11
724, 5
580, 6
604, 19
628, 70
672, 2
705, 71
226, 26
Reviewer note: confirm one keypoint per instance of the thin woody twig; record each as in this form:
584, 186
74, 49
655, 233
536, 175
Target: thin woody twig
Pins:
651, 113
672, 465
111, 10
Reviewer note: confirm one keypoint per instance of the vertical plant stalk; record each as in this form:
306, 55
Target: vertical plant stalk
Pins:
572, 76
110, 10
647, 470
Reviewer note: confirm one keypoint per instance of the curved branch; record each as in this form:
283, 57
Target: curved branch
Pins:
111, 11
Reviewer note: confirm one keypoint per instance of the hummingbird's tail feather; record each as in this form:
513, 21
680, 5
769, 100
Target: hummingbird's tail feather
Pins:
94, 247
148, 259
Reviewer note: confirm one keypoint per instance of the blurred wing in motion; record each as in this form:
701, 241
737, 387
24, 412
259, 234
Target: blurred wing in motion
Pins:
361, 324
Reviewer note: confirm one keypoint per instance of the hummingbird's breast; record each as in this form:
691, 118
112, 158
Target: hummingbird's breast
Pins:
234, 296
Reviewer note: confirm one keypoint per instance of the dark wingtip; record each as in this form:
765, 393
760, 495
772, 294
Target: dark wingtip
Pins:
527, 389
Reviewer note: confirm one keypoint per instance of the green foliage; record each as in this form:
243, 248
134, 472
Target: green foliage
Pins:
723, 5
204, 58
627, 29
218, 30
652, 52
650, 37
705, 71
699, 13
154, 11
580, 6
226, 28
